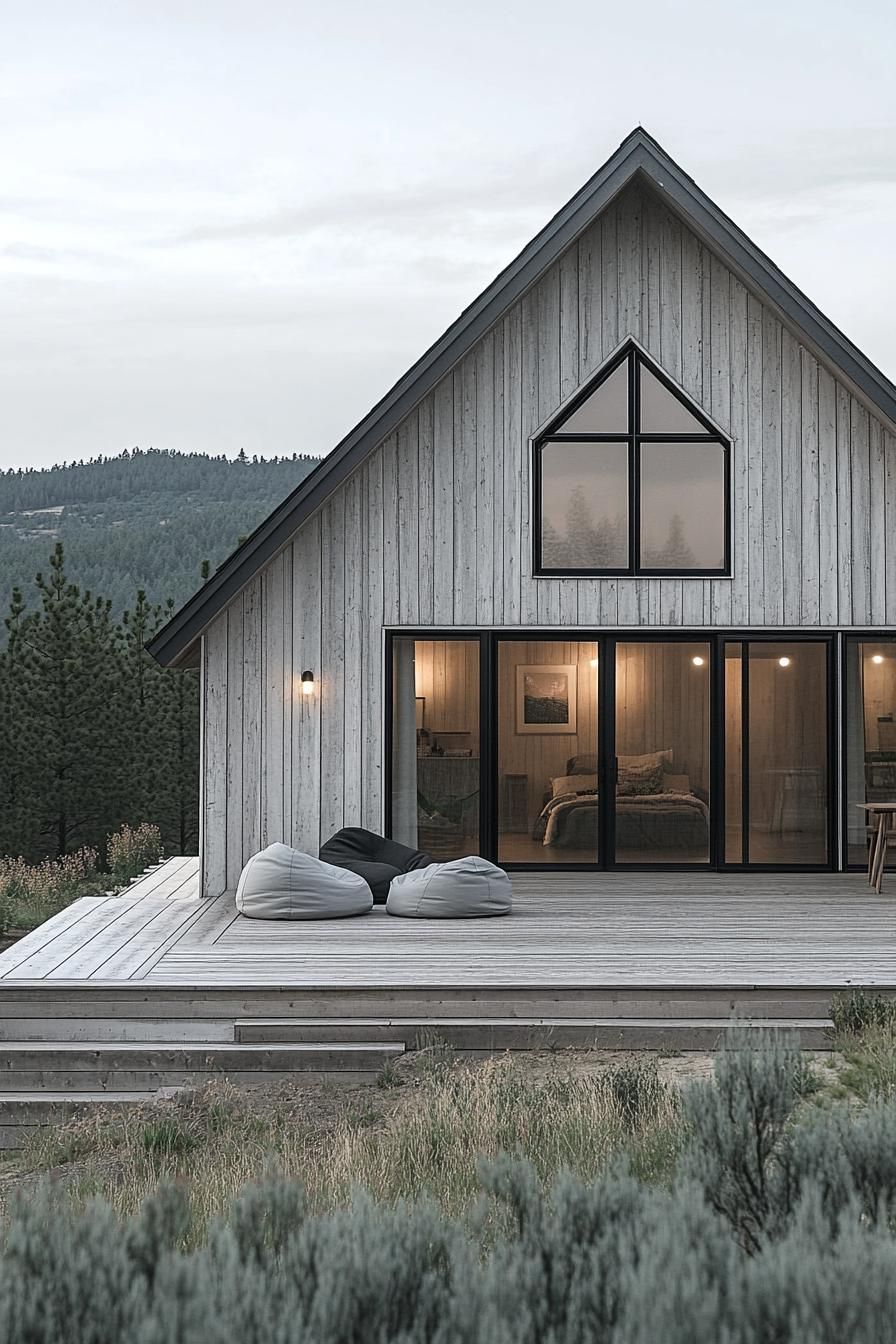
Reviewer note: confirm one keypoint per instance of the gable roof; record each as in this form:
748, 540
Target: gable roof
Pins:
639, 155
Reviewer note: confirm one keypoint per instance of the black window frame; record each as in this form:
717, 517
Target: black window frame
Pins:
634, 438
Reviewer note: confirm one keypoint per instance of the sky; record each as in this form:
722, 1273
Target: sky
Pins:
234, 225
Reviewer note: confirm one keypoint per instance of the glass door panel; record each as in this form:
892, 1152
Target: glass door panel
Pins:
547, 751
788, 752
870, 737
435, 745
663, 697
734, 664
777, 745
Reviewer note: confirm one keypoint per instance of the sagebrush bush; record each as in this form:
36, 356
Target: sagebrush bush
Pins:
792, 1242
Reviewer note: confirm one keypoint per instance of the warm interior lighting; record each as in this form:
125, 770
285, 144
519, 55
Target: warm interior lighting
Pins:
783, 662
307, 683
594, 662
877, 658
698, 661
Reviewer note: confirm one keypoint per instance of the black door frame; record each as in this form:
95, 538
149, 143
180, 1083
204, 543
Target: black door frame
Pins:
606, 642
745, 638
887, 636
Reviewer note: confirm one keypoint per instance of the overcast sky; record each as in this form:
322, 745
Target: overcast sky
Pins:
236, 229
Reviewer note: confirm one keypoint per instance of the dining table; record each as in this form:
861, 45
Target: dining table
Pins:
882, 824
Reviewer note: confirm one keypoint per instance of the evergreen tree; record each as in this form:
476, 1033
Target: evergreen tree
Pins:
93, 733
676, 553
64, 753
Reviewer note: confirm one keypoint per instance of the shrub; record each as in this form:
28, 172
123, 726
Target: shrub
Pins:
855, 1012
870, 1062
31, 894
130, 851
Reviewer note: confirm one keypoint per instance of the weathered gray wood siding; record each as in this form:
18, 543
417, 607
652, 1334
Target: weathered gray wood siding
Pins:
434, 528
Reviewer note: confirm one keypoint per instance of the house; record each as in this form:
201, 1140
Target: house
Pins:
606, 581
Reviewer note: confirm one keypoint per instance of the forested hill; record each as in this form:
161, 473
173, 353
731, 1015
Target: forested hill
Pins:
146, 519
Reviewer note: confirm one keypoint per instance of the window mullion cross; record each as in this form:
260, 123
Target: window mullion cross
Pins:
631, 445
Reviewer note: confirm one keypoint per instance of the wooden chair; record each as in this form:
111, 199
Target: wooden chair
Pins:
886, 837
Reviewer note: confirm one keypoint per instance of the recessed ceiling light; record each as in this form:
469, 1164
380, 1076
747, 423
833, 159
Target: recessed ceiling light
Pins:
698, 661
877, 658
594, 662
783, 662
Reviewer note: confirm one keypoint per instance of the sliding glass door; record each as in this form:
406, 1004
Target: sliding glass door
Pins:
682, 751
870, 737
548, 751
435, 747
777, 734
663, 724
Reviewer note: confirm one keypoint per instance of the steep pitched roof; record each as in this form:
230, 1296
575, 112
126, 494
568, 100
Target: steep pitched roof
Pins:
638, 155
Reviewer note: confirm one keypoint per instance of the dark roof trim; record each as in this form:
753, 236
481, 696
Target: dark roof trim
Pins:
638, 154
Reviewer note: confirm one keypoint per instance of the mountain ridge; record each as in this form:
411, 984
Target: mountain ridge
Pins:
144, 519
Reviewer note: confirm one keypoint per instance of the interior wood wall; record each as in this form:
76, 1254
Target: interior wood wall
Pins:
446, 675
879, 689
434, 528
541, 757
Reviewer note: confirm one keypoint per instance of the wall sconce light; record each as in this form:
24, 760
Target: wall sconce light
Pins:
697, 660
877, 658
783, 662
307, 683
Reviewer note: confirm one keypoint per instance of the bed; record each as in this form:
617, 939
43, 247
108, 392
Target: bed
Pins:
656, 809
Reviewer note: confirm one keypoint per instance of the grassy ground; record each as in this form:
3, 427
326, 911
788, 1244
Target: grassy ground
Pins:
425, 1128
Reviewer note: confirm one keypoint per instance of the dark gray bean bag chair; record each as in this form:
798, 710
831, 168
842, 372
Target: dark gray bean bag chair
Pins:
462, 889
284, 883
373, 857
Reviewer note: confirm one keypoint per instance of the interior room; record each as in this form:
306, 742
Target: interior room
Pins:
548, 771
436, 755
776, 752
870, 668
773, 748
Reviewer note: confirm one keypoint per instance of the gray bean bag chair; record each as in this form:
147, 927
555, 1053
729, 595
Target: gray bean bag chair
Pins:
377, 859
462, 889
284, 883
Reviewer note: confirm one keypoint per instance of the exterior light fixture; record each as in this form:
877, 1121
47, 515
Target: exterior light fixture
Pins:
307, 683
877, 658
783, 662
698, 661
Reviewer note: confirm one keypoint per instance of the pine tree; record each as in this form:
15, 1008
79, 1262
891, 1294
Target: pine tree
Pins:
65, 748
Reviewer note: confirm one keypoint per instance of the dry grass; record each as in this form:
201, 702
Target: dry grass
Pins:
427, 1133
32, 893
869, 1062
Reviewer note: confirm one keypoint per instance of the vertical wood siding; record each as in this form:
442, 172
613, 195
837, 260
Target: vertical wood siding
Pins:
434, 528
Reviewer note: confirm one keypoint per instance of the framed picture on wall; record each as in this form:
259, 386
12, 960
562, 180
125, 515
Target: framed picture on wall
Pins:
546, 698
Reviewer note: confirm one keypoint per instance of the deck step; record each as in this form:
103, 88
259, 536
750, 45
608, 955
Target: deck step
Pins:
99, 1030
518, 1033
21, 1113
73, 1067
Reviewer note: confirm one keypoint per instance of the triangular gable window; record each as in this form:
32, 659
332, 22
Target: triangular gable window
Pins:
632, 479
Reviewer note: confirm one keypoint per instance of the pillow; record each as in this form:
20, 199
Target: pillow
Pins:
586, 764
573, 784
662, 758
676, 783
637, 780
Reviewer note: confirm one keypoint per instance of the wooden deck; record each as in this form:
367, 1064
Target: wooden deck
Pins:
568, 931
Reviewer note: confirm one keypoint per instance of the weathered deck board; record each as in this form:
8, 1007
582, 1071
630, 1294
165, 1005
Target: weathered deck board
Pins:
570, 930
